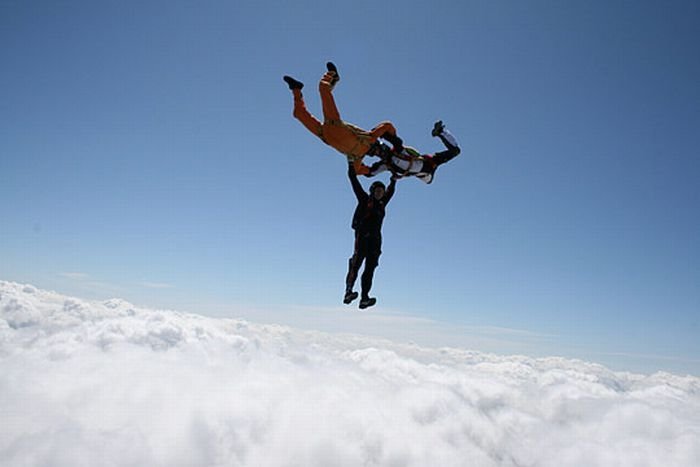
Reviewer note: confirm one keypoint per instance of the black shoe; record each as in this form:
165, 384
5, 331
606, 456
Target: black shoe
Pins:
349, 297
333, 69
293, 84
437, 128
367, 302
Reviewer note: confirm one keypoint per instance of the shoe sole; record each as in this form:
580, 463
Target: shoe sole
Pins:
352, 298
292, 83
332, 69
367, 305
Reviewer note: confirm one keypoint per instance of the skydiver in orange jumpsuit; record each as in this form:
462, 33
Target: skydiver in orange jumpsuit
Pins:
344, 137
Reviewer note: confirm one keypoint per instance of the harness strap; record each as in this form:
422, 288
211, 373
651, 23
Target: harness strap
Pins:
395, 169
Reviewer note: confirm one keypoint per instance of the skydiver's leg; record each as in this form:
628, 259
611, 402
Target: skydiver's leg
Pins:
355, 263
371, 263
368, 276
304, 116
382, 128
452, 146
330, 110
377, 168
449, 140
387, 131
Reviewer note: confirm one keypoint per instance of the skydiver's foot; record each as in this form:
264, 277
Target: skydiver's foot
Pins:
330, 66
438, 128
349, 297
367, 302
293, 84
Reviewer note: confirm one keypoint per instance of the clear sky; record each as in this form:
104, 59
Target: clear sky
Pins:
148, 151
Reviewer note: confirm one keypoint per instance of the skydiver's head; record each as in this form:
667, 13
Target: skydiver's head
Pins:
377, 190
378, 149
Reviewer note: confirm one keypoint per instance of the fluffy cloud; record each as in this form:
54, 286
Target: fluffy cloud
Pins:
108, 383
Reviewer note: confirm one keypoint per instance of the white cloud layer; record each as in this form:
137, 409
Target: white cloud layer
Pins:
109, 384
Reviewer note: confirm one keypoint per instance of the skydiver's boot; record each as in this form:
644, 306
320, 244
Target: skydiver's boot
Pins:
333, 70
349, 297
292, 83
367, 302
438, 128
447, 139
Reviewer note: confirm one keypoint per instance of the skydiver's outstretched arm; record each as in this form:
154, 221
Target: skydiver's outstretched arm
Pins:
391, 189
356, 186
377, 168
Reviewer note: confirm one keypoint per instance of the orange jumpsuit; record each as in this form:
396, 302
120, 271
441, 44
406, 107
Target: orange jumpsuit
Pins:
345, 137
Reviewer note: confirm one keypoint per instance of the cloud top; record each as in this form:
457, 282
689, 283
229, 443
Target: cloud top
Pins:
109, 383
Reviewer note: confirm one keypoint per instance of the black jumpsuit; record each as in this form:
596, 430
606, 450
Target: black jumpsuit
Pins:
367, 224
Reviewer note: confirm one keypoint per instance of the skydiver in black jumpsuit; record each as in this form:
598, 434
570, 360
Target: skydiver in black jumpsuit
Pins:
367, 224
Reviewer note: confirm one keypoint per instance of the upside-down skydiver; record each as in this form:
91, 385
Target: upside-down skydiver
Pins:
345, 137
405, 161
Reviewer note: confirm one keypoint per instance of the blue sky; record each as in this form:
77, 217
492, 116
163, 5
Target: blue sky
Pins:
148, 151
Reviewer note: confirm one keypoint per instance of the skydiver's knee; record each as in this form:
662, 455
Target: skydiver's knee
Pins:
372, 262
388, 126
452, 151
355, 262
445, 156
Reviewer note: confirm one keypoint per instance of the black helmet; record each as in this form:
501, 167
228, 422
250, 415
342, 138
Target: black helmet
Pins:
375, 185
378, 149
